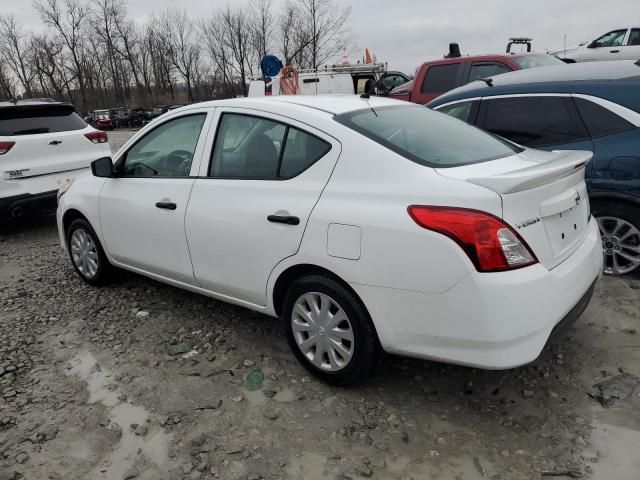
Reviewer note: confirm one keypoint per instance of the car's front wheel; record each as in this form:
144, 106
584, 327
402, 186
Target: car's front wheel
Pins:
87, 256
329, 330
620, 230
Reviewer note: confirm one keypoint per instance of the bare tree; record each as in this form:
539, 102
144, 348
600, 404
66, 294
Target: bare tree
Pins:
262, 26
182, 42
15, 51
328, 26
294, 39
69, 24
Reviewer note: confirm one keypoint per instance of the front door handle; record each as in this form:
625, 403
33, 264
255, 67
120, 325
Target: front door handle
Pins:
614, 51
55, 142
288, 219
166, 205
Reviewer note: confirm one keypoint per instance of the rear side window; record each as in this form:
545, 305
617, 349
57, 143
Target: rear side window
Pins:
634, 37
425, 136
249, 147
461, 111
38, 120
440, 78
484, 70
601, 121
534, 121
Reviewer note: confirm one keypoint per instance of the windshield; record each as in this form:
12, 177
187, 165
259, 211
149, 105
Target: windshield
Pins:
533, 61
426, 137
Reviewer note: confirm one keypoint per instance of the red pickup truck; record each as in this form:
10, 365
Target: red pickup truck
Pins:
439, 76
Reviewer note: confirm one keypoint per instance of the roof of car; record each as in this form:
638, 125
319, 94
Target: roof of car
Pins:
330, 104
571, 78
33, 102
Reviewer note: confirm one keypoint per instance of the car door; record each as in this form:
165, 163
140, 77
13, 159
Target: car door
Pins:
631, 48
546, 121
607, 47
616, 141
249, 208
142, 209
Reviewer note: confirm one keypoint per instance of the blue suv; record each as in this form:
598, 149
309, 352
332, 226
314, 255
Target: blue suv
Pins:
586, 106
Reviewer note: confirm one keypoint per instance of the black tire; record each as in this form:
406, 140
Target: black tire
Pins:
622, 211
366, 347
104, 270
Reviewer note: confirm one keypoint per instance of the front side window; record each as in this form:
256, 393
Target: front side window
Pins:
393, 80
634, 37
440, 78
166, 151
611, 39
484, 70
461, 111
425, 136
249, 147
533, 121
601, 121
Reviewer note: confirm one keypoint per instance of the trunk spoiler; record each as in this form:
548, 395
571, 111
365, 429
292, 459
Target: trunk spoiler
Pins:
566, 163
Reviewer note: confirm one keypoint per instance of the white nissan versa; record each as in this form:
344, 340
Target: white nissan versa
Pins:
367, 225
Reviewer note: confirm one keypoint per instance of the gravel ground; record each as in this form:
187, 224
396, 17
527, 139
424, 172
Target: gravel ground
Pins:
142, 380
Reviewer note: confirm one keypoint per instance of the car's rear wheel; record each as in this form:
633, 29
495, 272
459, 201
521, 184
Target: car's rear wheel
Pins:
329, 330
87, 256
620, 230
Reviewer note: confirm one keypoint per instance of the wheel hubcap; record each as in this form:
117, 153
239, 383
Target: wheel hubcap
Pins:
84, 253
322, 331
621, 245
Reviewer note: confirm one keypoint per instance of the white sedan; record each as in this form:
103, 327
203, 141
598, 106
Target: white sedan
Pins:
365, 224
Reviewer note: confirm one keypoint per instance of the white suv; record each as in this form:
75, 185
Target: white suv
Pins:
42, 145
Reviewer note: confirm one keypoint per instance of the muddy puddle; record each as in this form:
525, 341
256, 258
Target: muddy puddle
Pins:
146, 453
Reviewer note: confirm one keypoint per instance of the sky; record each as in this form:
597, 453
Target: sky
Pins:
405, 33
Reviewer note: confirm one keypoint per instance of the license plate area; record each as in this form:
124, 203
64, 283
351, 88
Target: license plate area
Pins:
566, 228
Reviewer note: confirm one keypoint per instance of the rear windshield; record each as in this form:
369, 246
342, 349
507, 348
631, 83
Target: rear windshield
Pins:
533, 61
427, 137
36, 119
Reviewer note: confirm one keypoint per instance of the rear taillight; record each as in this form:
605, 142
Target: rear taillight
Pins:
6, 146
97, 137
490, 243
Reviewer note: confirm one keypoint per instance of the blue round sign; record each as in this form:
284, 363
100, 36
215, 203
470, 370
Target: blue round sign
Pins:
270, 65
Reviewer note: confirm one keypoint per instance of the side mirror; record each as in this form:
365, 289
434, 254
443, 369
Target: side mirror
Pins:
102, 167
593, 44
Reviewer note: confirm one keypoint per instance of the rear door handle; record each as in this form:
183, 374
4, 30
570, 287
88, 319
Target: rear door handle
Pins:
166, 205
614, 51
288, 219
55, 142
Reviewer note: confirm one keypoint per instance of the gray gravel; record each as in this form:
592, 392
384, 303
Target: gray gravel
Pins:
142, 380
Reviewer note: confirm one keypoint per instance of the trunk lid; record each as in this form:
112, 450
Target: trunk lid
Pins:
544, 197
49, 153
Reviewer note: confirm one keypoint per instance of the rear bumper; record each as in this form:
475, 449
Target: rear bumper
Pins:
488, 320
18, 205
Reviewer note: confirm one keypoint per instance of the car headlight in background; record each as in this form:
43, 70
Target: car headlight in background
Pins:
64, 187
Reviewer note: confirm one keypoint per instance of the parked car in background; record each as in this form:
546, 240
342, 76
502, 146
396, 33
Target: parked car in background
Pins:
365, 224
348, 79
137, 117
100, 119
42, 145
439, 76
591, 106
157, 111
122, 118
619, 44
